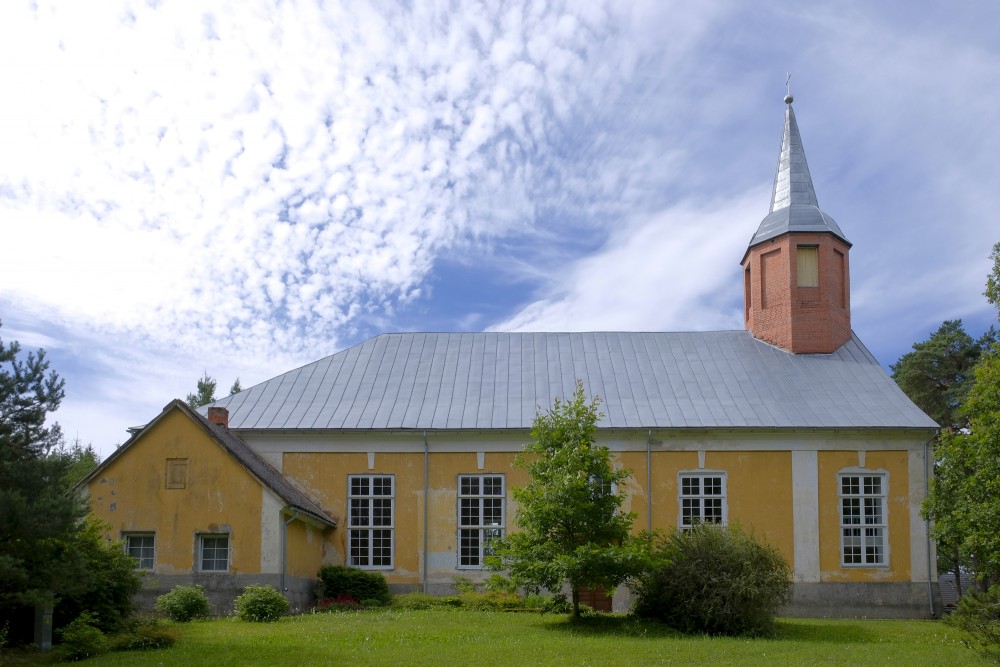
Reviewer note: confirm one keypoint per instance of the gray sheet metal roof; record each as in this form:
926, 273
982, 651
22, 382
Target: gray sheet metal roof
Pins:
794, 207
723, 379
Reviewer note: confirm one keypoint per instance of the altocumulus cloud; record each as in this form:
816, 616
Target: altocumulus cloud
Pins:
271, 176
241, 187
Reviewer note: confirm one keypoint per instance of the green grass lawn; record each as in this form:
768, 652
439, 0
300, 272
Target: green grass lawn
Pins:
439, 637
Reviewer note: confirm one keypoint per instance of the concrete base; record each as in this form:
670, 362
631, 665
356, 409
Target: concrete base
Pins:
845, 600
864, 600
222, 589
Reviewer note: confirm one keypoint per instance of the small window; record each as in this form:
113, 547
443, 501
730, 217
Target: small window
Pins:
141, 547
807, 260
177, 473
702, 499
480, 517
862, 520
213, 553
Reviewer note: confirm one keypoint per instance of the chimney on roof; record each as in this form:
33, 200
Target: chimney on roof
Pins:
219, 417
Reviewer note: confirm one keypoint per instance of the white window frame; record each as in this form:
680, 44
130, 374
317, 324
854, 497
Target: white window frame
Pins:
369, 530
204, 547
475, 531
147, 553
864, 518
692, 502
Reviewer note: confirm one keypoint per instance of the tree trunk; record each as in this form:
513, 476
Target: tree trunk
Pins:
576, 601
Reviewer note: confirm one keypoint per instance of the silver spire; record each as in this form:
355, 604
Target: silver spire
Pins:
794, 207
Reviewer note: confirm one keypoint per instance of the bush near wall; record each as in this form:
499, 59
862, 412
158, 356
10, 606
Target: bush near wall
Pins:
260, 604
338, 581
716, 580
184, 603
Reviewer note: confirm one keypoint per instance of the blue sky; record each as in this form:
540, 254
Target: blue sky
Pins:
244, 187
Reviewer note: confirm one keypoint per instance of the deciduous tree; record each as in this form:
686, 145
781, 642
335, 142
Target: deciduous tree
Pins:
570, 525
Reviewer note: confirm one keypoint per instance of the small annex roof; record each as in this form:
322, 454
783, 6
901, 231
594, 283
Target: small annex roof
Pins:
246, 457
794, 207
492, 380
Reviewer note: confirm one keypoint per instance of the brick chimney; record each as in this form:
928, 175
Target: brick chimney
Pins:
219, 417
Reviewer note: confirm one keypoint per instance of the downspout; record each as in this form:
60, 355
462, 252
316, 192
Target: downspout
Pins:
426, 503
284, 550
649, 482
927, 524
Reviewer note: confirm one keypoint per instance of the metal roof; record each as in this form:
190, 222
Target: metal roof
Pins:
719, 379
794, 207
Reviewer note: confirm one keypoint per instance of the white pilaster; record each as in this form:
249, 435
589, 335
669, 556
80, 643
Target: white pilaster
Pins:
805, 515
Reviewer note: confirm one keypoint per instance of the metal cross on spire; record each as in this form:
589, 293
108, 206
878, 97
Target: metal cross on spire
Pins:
788, 87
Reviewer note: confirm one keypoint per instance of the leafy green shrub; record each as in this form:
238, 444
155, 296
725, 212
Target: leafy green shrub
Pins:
714, 580
372, 603
464, 585
492, 601
415, 601
260, 604
143, 634
978, 614
337, 580
98, 577
548, 604
81, 639
498, 582
184, 603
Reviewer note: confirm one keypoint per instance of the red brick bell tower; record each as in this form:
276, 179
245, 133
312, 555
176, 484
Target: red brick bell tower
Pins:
796, 290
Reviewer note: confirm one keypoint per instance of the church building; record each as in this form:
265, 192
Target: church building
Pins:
396, 454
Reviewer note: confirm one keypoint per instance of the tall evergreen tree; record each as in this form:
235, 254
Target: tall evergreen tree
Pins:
37, 516
205, 392
938, 373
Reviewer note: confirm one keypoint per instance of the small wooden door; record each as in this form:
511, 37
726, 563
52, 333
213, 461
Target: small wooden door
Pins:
596, 599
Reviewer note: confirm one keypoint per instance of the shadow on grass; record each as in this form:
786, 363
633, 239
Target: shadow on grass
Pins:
613, 624
794, 630
832, 631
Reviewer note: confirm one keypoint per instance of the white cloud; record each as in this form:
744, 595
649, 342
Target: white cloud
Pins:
664, 272
240, 187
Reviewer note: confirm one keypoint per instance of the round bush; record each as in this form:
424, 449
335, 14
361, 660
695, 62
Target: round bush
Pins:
260, 604
81, 639
184, 603
715, 580
337, 580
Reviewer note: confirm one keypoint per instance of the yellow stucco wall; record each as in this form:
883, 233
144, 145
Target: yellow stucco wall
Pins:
897, 508
325, 477
219, 497
758, 490
305, 549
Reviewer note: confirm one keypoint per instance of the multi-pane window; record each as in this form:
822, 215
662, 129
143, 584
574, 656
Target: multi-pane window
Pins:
213, 553
371, 516
862, 519
702, 499
480, 517
140, 546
